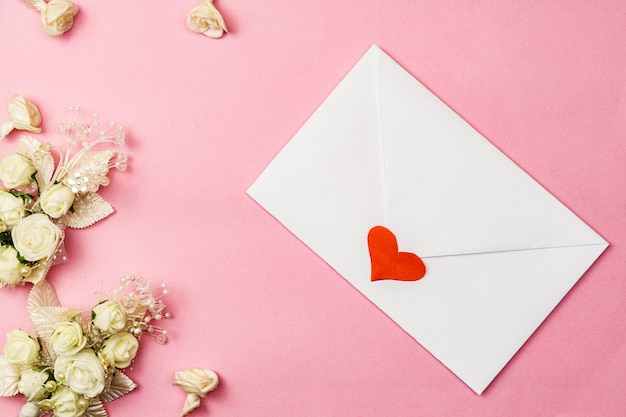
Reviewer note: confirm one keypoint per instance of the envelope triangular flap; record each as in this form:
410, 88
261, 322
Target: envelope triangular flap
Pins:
449, 190
326, 184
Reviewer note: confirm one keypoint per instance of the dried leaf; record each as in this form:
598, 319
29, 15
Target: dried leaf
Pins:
42, 295
87, 209
120, 386
44, 319
96, 409
9, 378
41, 159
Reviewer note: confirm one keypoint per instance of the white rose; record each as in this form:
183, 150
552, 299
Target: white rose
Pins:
109, 316
206, 19
196, 381
15, 170
67, 403
36, 237
10, 266
57, 17
120, 349
21, 349
11, 208
68, 338
23, 115
82, 372
56, 200
32, 384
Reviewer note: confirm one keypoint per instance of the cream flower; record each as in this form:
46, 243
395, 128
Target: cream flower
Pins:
15, 171
109, 316
29, 410
57, 16
57, 200
82, 372
206, 19
23, 115
120, 349
21, 349
10, 266
32, 384
11, 208
197, 383
67, 403
68, 338
36, 237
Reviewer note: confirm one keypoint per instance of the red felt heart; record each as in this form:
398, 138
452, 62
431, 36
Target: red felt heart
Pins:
387, 262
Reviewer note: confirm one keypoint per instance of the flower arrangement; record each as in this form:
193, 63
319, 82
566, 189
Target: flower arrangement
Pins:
72, 364
39, 198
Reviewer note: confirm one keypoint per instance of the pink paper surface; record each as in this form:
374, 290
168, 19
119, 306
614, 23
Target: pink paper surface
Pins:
544, 81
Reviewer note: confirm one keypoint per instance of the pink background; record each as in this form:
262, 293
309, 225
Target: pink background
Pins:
544, 81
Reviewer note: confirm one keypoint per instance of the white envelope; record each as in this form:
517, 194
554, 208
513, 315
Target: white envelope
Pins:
500, 251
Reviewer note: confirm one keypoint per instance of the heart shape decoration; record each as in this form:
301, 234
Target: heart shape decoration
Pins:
387, 262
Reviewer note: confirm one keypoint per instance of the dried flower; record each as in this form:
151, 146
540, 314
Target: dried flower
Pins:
57, 16
23, 115
206, 19
197, 383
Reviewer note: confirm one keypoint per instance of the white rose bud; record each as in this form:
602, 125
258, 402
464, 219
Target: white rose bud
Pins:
29, 410
67, 403
36, 237
57, 17
23, 115
10, 266
21, 349
197, 383
206, 19
109, 316
15, 171
32, 383
11, 208
82, 372
68, 338
57, 200
120, 349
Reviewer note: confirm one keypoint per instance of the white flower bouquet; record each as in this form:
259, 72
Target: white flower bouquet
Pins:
72, 365
41, 196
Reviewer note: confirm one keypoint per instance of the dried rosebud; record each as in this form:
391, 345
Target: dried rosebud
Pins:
57, 16
197, 383
206, 19
23, 115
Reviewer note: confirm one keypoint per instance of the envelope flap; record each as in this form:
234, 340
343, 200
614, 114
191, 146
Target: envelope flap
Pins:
326, 185
450, 191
